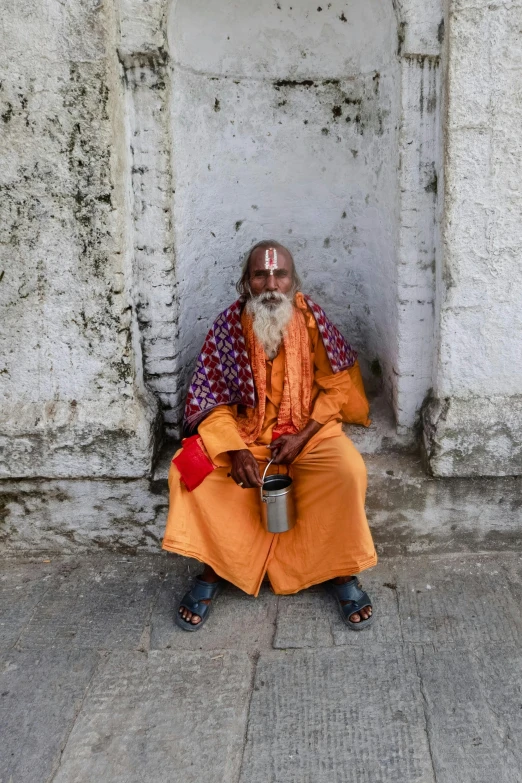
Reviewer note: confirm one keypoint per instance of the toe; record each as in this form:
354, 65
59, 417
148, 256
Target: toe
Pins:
195, 619
355, 618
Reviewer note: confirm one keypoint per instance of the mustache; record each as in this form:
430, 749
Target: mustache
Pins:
274, 296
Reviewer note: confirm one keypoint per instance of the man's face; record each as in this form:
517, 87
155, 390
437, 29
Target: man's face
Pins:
270, 281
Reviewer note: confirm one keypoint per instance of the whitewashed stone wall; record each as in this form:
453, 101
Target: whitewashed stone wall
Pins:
73, 402
145, 146
474, 424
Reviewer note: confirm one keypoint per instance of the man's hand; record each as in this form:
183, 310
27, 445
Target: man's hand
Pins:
245, 470
286, 448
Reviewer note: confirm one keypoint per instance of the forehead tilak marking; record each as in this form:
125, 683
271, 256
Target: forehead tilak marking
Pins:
271, 259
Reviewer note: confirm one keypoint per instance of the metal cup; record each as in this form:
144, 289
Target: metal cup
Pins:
277, 502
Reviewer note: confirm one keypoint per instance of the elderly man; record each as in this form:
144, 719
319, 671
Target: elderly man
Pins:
275, 380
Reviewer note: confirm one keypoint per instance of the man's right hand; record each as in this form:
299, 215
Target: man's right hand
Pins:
245, 471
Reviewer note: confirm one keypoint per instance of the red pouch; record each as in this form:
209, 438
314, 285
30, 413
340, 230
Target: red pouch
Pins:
193, 462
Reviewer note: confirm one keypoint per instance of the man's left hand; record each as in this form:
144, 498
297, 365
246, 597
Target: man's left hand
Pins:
286, 448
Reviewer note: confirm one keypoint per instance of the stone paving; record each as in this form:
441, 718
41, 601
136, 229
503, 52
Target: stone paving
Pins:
97, 684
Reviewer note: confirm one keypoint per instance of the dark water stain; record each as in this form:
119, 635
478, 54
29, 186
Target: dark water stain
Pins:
6, 116
401, 35
432, 185
293, 83
376, 369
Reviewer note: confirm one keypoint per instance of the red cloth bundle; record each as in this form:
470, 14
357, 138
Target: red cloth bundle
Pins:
193, 462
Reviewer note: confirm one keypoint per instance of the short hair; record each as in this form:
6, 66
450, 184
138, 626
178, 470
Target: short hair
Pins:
242, 284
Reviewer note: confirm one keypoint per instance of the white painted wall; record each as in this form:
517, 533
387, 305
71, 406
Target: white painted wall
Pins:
474, 425
481, 293
136, 170
285, 125
72, 400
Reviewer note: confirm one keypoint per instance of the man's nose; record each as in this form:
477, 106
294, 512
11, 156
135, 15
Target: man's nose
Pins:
271, 283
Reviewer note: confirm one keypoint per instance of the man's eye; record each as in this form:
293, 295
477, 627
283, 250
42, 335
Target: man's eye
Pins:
260, 273
281, 273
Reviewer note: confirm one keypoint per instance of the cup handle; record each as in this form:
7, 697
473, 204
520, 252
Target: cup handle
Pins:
263, 480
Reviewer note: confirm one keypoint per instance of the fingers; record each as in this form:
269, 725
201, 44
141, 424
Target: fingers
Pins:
257, 476
253, 477
285, 455
246, 474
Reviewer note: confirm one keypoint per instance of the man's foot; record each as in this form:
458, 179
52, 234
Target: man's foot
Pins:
210, 576
355, 606
356, 617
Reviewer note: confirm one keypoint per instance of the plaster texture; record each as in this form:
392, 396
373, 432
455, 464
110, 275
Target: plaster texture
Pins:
477, 381
72, 399
431, 692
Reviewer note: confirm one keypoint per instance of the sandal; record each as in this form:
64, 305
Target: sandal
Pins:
356, 599
193, 601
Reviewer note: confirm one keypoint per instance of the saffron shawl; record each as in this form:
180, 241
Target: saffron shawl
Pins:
294, 408
223, 374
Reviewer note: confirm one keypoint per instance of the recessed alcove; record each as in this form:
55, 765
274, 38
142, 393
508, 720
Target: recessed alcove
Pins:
284, 122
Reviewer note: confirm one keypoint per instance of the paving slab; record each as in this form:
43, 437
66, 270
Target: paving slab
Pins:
22, 586
460, 599
337, 716
102, 603
312, 619
238, 621
474, 706
41, 692
162, 716
305, 620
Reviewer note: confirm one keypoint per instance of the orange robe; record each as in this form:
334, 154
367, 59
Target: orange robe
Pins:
220, 524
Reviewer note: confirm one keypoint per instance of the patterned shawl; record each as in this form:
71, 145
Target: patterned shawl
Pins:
223, 375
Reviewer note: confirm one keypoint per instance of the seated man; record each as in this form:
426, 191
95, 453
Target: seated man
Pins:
275, 380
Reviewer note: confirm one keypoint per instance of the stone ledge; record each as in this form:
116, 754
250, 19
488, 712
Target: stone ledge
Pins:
476, 436
409, 512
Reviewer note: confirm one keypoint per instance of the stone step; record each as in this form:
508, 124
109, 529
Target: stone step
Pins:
409, 512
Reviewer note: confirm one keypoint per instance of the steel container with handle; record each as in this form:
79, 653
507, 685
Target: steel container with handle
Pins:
277, 502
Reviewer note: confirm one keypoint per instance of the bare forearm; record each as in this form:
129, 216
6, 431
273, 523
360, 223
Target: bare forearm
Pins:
310, 430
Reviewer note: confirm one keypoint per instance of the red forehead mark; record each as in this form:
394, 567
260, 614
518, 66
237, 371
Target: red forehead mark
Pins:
271, 259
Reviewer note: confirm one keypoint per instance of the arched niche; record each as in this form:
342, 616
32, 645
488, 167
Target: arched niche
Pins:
285, 124
317, 127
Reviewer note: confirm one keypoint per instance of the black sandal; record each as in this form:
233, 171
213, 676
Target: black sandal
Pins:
356, 599
193, 601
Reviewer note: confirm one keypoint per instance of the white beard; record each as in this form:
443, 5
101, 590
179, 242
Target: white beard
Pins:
269, 323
